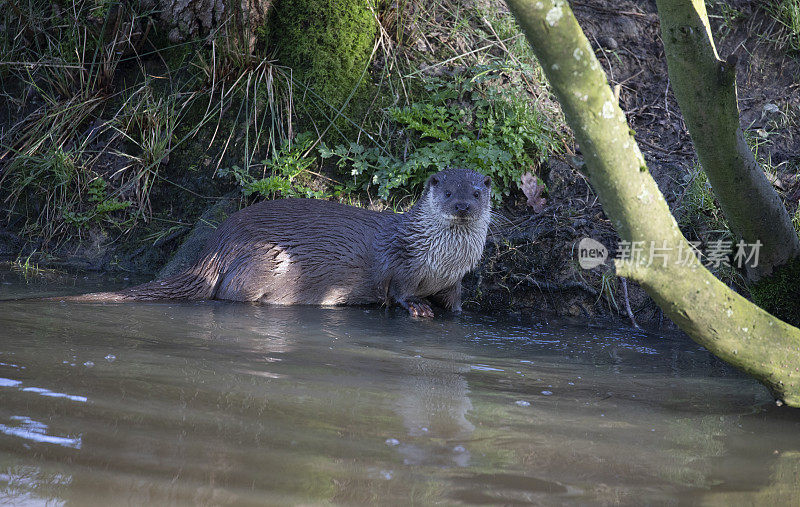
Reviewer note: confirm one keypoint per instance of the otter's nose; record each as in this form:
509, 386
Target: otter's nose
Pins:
462, 208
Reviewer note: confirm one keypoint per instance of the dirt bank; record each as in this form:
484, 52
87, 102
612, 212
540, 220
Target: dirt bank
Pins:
530, 263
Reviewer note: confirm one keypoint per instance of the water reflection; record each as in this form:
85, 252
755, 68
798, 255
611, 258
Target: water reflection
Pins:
215, 403
433, 405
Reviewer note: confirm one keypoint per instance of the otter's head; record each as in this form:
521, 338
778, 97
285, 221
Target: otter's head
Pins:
460, 195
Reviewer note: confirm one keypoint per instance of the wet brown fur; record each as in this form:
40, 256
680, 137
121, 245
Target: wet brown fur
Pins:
305, 251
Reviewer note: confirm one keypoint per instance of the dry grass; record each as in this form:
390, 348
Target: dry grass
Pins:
101, 111
81, 120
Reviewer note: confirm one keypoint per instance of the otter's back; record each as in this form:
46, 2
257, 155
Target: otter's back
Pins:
297, 251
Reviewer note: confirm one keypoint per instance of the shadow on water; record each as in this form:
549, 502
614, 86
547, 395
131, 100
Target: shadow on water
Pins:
209, 403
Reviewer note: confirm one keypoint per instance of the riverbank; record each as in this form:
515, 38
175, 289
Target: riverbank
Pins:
133, 179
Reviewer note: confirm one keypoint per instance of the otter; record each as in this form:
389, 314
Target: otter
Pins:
306, 251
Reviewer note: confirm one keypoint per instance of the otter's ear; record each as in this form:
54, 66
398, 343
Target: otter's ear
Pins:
434, 181
488, 182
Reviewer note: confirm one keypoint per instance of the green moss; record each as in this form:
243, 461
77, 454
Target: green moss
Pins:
780, 292
327, 44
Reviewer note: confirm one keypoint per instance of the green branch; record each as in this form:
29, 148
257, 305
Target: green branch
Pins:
705, 87
717, 318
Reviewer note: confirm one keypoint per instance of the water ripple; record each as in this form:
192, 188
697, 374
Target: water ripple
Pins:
37, 431
7, 382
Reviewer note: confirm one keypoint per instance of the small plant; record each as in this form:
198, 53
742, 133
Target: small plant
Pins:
104, 207
467, 122
48, 160
27, 268
60, 188
285, 170
84, 125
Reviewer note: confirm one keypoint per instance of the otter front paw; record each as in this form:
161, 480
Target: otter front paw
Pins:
417, 308
420, 310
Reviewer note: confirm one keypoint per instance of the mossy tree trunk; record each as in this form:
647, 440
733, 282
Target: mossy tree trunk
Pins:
328, 44
705, 87
717, 318
325, 46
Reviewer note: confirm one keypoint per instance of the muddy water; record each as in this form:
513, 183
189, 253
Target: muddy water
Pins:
220, 403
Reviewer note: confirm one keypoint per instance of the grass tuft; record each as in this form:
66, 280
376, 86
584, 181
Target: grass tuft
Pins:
99, 118
697, 209
786, 28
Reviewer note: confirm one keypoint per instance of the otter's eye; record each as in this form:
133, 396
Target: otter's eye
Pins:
447, 194
477, 194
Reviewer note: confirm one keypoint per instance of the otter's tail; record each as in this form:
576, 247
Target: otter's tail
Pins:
193, 284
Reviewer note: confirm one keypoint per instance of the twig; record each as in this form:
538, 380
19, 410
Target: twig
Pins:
659, 148
631, 77
627, 302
